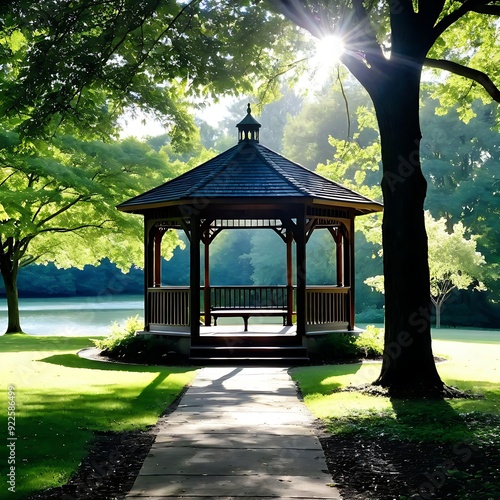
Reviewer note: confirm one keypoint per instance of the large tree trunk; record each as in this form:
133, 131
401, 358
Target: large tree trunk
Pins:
9, 270
408, 366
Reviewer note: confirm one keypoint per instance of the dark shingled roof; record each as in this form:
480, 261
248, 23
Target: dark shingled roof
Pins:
250, 170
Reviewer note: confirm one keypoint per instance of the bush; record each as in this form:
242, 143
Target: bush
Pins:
370, 343
370, 315
337, 346
120, 335
351, 346
124, 345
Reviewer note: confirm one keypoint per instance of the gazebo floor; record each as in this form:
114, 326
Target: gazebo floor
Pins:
269, 330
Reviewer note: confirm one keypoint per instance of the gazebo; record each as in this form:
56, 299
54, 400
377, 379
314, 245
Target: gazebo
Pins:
249, 186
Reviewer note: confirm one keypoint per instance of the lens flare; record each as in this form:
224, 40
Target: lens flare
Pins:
329, 49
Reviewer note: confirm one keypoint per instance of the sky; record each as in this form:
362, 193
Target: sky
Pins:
147, 126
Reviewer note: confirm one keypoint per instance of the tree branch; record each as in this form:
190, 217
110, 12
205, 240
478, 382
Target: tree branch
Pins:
73, 229
492, 10
64, 209
473, 74
294, 11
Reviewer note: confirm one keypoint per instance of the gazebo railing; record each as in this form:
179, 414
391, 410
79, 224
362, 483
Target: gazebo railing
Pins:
169, 306
327, 304
248, 297
324, 304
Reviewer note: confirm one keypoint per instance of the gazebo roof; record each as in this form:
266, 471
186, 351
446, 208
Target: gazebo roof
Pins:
252, 173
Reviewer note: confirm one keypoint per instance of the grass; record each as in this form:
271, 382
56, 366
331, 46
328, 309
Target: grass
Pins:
62, 399
460, 430
472, 365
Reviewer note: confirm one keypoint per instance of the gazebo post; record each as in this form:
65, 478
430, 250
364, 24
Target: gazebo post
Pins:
300, 241
148, 269
158, 236
194, 273
352, 311
206, 281
289, 278
340, 257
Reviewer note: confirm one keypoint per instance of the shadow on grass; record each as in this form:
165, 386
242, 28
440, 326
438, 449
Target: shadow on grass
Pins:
320, 379
75, 361
430, 420
23, 343
57, 428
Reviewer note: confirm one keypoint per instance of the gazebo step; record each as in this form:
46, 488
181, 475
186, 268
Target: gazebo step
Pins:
287, 360
247, 340
248, 353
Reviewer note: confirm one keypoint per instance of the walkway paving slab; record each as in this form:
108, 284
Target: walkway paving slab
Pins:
237, 433
241, 440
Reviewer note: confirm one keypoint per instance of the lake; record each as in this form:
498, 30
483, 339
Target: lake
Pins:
74, 315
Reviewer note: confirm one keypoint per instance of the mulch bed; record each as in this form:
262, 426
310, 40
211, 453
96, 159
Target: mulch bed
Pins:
384, 469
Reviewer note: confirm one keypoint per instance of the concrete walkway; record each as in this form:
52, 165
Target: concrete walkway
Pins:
237, 433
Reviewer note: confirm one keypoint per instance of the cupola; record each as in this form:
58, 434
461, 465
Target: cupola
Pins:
248, 128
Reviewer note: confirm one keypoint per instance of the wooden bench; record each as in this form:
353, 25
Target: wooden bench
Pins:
246, 301
246, 313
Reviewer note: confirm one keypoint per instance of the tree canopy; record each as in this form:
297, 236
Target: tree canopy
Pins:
83, 63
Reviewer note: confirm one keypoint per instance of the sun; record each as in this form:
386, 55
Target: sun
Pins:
329, 50
323, 57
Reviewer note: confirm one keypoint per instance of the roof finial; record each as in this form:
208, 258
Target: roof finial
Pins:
248, 128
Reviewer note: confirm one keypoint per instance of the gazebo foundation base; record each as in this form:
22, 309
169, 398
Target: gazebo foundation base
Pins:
231, 342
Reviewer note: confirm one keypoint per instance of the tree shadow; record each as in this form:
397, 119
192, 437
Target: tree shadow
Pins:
75, 361
26, 342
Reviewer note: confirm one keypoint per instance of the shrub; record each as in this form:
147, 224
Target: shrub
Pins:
337, 346
120, 335
347, 345
370, 343
370, 315
123, 344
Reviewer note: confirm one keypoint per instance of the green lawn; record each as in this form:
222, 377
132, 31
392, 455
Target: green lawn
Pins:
471, 366
61, 399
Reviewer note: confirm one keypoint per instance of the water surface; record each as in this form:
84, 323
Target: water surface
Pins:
74, 315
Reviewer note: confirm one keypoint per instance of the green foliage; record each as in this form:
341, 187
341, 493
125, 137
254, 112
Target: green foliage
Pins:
123, 344
325, 115
57, 204
454, 262
120, 335
344, 346
84, 65
370, 342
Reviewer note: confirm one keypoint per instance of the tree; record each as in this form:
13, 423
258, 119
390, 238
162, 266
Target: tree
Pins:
459, 159
454, 262
387, 44
59, 206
